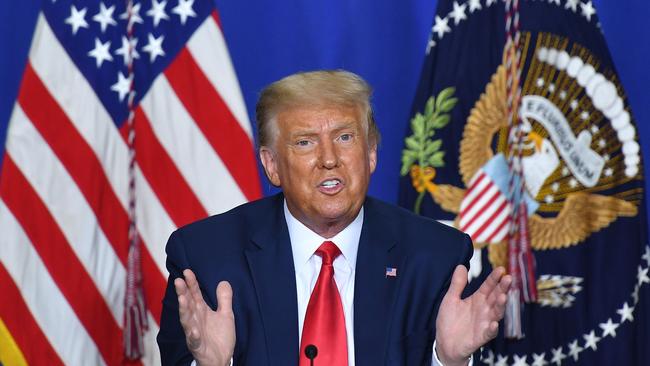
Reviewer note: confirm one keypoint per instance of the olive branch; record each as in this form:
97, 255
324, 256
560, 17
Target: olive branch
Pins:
421, 149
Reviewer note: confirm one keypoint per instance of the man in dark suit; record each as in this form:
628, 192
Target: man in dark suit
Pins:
321, 264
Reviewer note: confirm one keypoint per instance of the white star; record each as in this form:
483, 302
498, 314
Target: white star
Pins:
184, 10
122, 86
100, 52
490, 2
591, 340
128, 50
573, 4
519, 361
608, 172
635, 294
105, 16
458, 13
548, 199
646, 255
558, 356
157, 11
594, 129
574, 350
574, 104
563, 95
609, 328
76, 19
626, 313
551, 88
489, 359
135, 15
474, 5
602, 143
557, 2
584, 115
642, 275
587, 10
154, 47
502, 360
555, 186
573, 183
540, 82
539, 360
441, 26
430, 45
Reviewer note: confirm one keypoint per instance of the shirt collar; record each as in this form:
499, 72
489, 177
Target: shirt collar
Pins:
304, 242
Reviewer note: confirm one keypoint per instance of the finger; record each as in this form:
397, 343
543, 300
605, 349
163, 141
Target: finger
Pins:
492, 330
224, 297
491, 281
458, 282
193, 285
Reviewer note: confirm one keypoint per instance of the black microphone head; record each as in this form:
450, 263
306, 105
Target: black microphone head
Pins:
311, 351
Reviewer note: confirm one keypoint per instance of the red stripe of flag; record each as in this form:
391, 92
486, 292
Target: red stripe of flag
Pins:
489, 221
63, 265
483, 208
476, 199
216, 121
23, 327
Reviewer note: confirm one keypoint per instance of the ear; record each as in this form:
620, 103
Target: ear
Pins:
267, 156
372, 157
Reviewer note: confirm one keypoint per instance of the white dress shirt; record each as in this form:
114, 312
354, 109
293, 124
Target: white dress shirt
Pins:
304, 243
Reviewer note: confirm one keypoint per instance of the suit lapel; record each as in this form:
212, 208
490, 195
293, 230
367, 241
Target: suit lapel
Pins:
373, 291
271, 265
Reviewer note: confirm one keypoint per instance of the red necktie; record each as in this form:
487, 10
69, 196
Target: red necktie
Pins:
324, 325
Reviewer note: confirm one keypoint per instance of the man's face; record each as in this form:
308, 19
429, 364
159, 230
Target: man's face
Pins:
322, 159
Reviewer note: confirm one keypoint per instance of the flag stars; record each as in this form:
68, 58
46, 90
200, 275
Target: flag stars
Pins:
122, 86
132, 14
184, 10
519, 360
539, 360
587, 10
558, 356
154, 47
501, 361
489, 3
458, 13
642, 275
646, 255
474, 5
635, 294
575, 349
441, 26
626, 313
489, 359
430, 45
105, 16
571, 4
557, 2
128, 50
77, 19
609, 328
591, 340
100, 52
157, 12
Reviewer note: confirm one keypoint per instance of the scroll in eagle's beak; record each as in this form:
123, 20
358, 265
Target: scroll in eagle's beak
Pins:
537, 139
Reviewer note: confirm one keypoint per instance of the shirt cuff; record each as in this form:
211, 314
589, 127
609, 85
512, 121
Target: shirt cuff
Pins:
436, 361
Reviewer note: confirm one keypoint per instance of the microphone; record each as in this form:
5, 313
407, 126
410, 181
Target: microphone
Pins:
311, 352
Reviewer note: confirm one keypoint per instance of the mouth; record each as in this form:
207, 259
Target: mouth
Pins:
330, 186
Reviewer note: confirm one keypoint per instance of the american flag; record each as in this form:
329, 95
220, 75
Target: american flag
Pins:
66, 183
391, 272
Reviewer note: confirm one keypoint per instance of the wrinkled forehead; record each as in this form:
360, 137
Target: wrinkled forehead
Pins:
315, 115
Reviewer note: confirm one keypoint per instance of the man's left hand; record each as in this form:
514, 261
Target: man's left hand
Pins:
464, 325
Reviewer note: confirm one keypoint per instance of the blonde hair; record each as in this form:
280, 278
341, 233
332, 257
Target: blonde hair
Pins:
325, 87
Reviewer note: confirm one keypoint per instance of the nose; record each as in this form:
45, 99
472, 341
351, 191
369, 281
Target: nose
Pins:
328, 155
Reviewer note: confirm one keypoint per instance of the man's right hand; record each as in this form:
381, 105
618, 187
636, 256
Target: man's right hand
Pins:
210, 335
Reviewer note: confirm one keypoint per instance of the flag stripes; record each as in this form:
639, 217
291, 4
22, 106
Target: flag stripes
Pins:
64, 191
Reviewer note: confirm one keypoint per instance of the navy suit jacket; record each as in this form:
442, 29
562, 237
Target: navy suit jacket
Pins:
249, 246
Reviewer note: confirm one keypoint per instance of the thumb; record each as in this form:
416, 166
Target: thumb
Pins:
224, 297
458, 282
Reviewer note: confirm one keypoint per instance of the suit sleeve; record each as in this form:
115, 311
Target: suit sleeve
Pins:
171, 337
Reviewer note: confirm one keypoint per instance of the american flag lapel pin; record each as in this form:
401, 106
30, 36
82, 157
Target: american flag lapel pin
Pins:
391, 272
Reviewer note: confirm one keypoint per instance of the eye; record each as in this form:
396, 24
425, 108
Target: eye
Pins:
346, 137
302, 143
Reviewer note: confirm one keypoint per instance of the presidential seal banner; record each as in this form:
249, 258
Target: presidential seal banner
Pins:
581, 169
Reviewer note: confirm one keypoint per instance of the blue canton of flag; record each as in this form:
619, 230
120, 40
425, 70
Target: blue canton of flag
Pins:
580, 163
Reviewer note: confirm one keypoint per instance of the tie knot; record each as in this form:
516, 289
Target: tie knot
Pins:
328, 251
